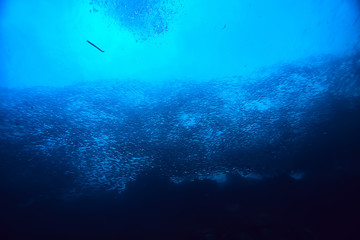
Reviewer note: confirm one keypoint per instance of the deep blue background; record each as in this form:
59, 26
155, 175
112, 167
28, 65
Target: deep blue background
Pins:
200, 120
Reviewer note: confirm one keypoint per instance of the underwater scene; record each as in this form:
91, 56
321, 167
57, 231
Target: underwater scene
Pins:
180, 119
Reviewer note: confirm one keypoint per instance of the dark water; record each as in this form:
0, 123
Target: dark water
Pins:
60, 178
325, 205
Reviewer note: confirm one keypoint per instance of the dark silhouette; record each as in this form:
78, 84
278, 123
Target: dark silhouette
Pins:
95, 46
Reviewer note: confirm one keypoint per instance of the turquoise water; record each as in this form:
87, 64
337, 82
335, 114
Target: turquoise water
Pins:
45, 42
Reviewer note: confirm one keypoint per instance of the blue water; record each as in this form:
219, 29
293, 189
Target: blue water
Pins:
155, 119
156, 40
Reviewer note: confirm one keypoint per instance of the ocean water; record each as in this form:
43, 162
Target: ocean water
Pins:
179, 119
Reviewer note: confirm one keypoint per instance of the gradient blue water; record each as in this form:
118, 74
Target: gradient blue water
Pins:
165, 119
44, 43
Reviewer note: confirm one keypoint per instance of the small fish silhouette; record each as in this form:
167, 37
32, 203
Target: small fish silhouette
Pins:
95, 46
